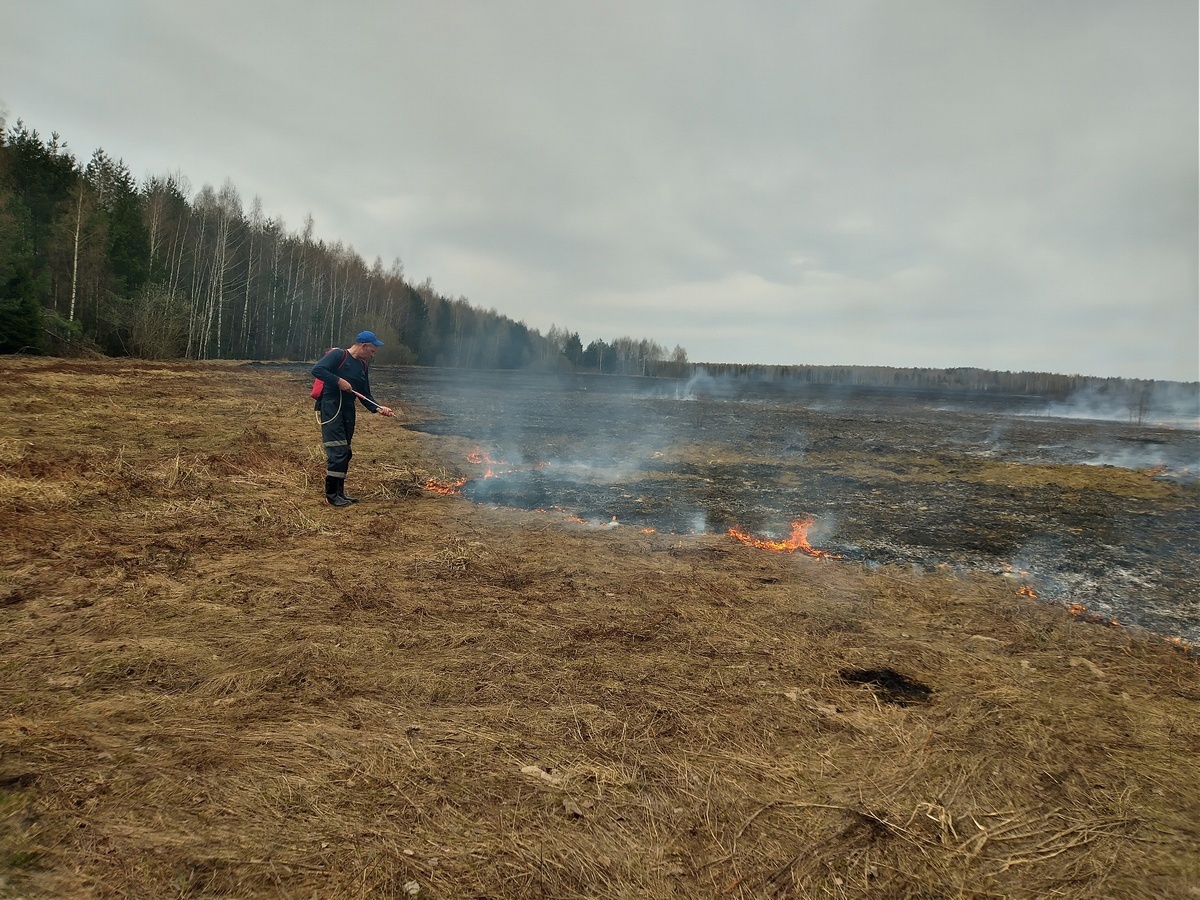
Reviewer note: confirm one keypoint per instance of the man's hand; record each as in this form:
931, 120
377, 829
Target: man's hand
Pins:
344, 385
385, 411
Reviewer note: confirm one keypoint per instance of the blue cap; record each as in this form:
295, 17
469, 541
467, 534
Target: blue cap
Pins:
368, 337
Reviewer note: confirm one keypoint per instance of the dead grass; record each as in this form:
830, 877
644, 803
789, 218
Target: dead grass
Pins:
214, 685
909, 469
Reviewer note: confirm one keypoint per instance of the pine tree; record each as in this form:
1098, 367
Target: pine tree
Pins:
20, 311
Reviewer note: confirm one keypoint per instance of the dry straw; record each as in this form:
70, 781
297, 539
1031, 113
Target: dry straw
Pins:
213, 685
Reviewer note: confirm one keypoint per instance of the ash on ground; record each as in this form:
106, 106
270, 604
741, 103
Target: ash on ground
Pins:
1101, 514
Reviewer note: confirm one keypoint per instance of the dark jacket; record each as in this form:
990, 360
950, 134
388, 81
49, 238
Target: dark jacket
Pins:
338, 363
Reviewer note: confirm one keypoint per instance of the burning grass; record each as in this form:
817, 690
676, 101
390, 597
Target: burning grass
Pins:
215, 685
797, 540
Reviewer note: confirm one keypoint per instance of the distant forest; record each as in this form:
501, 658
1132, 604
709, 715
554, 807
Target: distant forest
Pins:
93, 262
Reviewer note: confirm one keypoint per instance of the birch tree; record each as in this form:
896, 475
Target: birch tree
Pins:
255, 226
227, 216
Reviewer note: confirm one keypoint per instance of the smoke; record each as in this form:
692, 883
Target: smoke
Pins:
599, 470
702, 386
1105, 588
996, 433
626, 452
1141, 458
1168, 451
602, 525
1170, 403
823, 529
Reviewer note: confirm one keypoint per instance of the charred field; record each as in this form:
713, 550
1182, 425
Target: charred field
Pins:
1103, 515
214, 685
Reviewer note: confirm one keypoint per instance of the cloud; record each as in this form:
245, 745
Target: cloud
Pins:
1009, 185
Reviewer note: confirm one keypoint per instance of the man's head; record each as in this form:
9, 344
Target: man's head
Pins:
368, 337
365, 344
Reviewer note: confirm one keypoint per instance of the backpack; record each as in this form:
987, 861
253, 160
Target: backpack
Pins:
318, 384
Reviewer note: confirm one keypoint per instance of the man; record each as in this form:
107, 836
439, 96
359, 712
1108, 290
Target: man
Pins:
343, 373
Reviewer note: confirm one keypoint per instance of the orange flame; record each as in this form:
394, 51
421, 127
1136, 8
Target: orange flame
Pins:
491, 467
797, 541
481, 458
444, 486
1081, 612
1026, 591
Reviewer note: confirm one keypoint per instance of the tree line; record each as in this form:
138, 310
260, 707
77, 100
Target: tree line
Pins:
1138, 398
93, 261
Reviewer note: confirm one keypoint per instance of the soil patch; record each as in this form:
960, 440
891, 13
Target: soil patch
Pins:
890, 685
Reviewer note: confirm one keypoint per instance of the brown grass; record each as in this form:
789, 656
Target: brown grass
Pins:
214, 685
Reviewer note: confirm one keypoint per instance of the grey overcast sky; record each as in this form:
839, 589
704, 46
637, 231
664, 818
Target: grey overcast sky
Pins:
1010, 184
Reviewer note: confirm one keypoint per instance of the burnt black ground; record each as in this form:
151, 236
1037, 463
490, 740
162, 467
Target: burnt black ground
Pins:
760, 456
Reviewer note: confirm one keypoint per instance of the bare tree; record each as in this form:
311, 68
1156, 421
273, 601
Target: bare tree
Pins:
158, 324
255, 226
1138, 399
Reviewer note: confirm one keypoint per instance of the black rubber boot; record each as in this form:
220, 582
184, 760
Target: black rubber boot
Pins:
333, 492
342, 491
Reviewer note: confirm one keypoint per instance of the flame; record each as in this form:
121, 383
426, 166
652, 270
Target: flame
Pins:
491, 467
481, 458
563, 514
797, 541
1026, 591
1081, 612
590, 523
444, 486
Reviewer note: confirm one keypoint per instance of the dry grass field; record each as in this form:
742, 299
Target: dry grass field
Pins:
214, 685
